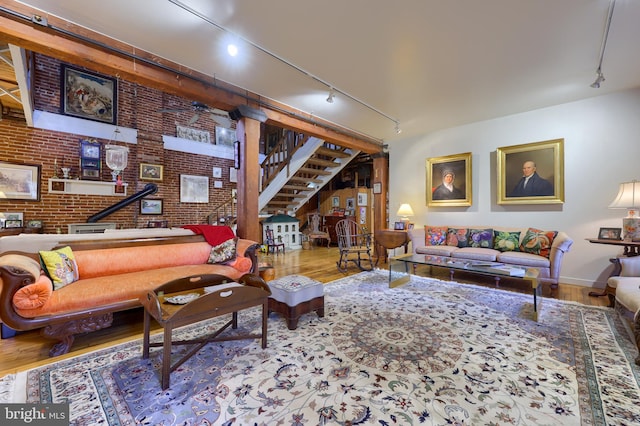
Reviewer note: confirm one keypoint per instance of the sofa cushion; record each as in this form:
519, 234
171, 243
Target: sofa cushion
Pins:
538, 242
457, 237
435, 235
60, 265
436, 250
476, 253
116, 261
223, 252
523, 259
34, 295
480, 238
506, 241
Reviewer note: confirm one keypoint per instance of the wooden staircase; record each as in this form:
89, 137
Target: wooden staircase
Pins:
296, 169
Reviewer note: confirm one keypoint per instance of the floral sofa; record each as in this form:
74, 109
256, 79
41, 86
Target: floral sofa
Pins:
76, 286
527, 247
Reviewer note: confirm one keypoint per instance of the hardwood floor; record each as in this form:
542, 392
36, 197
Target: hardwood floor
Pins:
28, 350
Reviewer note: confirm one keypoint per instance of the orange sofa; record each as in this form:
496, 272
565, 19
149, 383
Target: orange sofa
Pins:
113, 274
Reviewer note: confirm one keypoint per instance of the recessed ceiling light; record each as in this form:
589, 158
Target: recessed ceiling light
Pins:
232, 49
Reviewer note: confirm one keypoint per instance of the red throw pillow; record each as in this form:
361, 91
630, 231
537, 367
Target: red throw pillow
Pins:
241, 264
435, 235
538, 242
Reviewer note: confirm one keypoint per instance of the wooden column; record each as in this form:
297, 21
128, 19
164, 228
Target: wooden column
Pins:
248, 134
380, 176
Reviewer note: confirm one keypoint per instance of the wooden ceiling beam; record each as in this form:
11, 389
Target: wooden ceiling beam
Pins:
79, 46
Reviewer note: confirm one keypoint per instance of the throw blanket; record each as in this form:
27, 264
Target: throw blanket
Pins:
214, 234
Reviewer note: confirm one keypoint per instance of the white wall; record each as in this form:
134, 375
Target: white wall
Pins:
601, 150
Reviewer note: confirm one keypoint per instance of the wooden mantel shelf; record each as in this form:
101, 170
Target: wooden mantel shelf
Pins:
86, 187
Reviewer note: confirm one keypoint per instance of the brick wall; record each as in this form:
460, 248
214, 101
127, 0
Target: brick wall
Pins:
137, 108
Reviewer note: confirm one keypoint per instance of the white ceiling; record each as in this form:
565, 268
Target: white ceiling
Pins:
430, 64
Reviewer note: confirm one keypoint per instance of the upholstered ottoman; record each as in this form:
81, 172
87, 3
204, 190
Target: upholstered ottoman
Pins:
295, 295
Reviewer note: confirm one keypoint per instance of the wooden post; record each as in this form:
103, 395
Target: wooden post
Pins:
248, 134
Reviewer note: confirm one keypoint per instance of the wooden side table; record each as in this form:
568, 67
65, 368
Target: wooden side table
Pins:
386, 239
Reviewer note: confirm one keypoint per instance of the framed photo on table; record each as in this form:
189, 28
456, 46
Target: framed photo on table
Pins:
610, 234
88, 95
19, 181
531, 173
449, 180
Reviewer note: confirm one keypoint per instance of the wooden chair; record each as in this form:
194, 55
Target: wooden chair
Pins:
314, 232
354, 245
272, 245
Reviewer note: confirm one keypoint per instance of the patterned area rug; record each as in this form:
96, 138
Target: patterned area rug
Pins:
428, 353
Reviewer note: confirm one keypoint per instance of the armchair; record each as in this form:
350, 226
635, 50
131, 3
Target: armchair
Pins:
626, 288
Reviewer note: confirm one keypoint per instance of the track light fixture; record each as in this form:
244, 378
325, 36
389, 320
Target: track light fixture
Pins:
331, 96
599, 75
599, 79
398, 129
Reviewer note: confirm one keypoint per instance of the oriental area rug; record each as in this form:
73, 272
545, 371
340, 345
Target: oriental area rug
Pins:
428, 353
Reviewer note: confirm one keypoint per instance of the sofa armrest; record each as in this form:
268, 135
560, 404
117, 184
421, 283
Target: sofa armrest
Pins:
249, 248
16, 271
417, 236
561, 244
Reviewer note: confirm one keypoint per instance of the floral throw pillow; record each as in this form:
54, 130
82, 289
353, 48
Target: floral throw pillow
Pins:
223, 252
60, 265
506, 241
457, 237
480, 238
435, 235
538, 242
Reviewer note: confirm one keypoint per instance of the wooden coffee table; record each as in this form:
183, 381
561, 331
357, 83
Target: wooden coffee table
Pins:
212, 296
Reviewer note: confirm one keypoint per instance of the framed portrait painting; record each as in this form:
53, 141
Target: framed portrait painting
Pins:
531, 173
88, 95
449, 180
19, 181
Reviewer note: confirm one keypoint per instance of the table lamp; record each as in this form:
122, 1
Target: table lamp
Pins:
629, 198
404, 212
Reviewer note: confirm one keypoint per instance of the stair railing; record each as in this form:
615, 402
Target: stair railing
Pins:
225, 213
278, 159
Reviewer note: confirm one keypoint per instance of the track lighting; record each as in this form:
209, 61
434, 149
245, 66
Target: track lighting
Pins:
398, 129
599, 79
331, 96
603, 47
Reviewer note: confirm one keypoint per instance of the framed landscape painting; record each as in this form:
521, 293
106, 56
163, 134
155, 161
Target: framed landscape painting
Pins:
449, 180
19, 181
531, 173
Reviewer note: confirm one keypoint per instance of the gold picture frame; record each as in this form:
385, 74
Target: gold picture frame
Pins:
544, 160
153, 172
456, 190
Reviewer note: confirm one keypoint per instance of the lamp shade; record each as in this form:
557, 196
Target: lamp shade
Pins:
628, 196
405, 210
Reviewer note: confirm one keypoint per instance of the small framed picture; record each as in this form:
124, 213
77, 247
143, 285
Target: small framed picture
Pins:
377, 188
610, 233
34, 224
151, 171
12, 223
335, 202
410, 227
151, 206
399, 226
